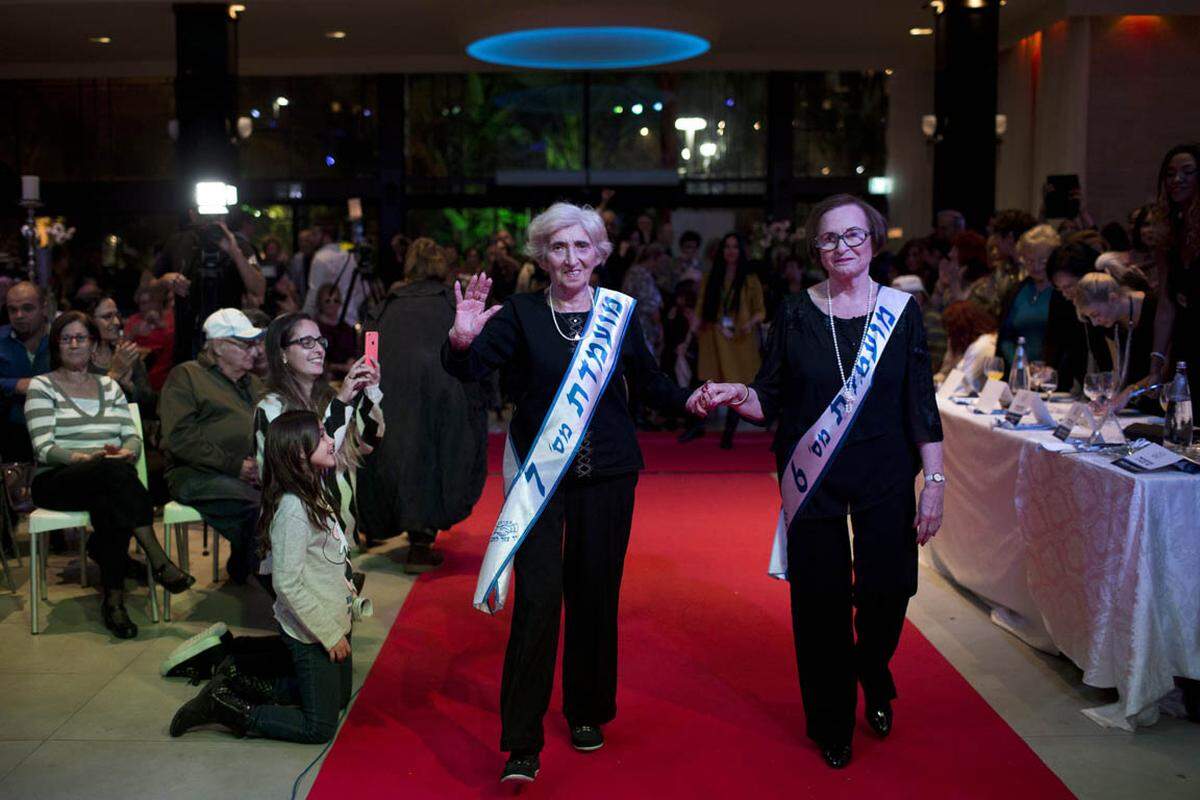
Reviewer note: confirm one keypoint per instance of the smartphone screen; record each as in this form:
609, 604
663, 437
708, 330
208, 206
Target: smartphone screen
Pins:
371, 346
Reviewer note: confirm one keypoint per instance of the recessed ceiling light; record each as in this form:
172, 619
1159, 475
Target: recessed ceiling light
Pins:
335, 34
920, 31
100, 39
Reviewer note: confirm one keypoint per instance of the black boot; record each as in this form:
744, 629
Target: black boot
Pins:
253, 689
217, 704
116, 618
422, 558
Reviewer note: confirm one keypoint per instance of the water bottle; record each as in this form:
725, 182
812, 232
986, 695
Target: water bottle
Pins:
1177, 427
1018, 376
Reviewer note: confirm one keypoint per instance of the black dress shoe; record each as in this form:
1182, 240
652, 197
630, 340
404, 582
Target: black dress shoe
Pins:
117, 620
172, 578
880, 719
521, 768
837, 756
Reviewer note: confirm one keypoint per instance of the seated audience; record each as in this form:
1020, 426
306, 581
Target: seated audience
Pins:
342, 339
971, 334
152, 328
24, 353
1126, 316
1029, 311
207, 412
87, 446
119, 358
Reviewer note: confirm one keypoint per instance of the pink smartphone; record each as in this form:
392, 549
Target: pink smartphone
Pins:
371, 346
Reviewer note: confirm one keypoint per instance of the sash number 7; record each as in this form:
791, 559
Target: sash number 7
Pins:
531, 475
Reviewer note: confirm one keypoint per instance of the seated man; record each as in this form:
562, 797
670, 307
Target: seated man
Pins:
207, 412
24, 353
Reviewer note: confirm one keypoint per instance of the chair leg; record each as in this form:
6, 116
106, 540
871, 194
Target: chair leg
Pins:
168, 534
34, 581
153, 590
42, 566
216, 553
83, 570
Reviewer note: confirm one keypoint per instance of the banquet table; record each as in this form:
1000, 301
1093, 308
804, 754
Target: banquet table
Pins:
1076, 555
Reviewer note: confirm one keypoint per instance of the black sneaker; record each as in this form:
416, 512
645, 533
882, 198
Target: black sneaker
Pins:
522, 769
586, 738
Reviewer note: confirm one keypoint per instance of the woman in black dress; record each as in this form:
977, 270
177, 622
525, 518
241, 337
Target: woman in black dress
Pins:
897, 432
575, 552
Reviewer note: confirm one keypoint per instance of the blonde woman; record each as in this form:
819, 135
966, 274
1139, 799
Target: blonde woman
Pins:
1126, 316
1032, 307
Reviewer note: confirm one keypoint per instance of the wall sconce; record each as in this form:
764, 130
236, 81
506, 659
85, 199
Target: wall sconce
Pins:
1001, 127
929, 126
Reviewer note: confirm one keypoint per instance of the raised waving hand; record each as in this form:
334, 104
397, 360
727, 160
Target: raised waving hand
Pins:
470, 311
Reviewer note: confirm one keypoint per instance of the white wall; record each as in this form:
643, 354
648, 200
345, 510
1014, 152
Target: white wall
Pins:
910, 158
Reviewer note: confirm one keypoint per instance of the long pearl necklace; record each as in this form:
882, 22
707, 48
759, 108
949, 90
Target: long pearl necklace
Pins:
847, 392
554, 314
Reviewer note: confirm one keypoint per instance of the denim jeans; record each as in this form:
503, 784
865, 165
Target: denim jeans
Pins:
317, 691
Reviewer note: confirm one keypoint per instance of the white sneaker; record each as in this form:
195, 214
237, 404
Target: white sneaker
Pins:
207, 639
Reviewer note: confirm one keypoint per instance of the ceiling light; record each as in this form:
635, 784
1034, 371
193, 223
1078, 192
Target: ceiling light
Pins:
920, 31
618, 47
644, 131
860, 169
335, 34
938, 6
888, 71
691, 124
100, 39
657, 106
824, 170
708, 149
976, 3
281, 101
637, 108
685, 154
758, 126
235, 9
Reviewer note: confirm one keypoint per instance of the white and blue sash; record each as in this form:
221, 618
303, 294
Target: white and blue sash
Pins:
532, 482
819, 445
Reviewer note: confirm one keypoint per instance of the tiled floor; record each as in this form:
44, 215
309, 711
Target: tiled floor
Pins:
84, 715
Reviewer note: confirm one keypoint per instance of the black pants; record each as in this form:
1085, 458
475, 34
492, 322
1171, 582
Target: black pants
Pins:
584, 571
109, 490
827, 585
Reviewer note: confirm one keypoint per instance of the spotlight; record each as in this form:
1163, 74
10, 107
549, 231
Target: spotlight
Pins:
214, 197
879, 185
691, 124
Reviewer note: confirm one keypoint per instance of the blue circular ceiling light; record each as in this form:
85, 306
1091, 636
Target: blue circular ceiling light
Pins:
588, 48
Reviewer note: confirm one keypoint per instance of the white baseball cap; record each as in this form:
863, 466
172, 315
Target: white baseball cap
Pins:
909, 283
230, 323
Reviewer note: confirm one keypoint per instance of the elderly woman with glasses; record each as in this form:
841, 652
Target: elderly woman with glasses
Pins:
86, 447
352, 415
207, 411
847, 375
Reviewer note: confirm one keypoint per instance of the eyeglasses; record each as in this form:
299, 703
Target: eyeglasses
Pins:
853, 237
77, 338
309, 342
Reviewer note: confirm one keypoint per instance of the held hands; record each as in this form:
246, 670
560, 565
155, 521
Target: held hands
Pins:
715, 395
929, 512
340, 651
470, 312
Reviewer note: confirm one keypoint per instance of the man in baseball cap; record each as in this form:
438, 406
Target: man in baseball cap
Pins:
207, 412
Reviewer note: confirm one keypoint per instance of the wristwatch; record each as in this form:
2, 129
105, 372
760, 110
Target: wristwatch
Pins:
935, 477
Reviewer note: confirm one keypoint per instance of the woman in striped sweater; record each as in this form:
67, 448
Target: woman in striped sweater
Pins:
86, 446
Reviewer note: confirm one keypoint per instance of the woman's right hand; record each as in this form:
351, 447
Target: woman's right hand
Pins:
340, 651
470, 311
80, 456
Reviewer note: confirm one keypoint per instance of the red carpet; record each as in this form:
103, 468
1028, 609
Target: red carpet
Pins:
663, 453
709, 704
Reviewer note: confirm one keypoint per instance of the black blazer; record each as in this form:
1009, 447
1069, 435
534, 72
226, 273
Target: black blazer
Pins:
523, 343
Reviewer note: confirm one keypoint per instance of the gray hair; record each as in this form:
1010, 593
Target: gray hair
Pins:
564, 215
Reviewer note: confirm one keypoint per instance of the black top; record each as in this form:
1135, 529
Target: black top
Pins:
522, 341
1183, 287
799, 378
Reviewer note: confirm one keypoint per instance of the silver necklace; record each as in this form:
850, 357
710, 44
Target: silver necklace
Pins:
847, 392
554, 314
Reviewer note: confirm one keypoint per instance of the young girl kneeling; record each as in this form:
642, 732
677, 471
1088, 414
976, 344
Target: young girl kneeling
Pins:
299, 527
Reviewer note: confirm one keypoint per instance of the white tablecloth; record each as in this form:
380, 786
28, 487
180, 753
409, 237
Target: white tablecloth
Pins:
1076, 555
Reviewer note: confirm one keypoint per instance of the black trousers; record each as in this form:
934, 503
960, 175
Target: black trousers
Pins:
847, 612
109, 490
584, 571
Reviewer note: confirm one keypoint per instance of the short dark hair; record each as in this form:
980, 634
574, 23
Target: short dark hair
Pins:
1012, 222
56, 329
875, 221
691, 236
1076, 258
1115, 237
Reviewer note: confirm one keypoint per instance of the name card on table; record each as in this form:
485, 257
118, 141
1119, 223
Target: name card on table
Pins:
1148, 458
1031, 403
993, 395
951, 385
1079, 415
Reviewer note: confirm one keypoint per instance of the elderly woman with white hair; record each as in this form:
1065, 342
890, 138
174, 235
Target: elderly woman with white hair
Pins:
568, 352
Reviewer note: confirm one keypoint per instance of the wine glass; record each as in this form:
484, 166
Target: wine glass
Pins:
1047, 381
1098, 386
994, 368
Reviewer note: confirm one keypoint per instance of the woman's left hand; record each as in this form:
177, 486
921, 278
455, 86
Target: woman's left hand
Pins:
929, 512
362, 374
121, 454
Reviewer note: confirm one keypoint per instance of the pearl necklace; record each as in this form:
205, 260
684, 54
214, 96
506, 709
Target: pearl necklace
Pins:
847, 392
554, 314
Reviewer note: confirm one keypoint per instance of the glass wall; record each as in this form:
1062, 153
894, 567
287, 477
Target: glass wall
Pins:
840, 124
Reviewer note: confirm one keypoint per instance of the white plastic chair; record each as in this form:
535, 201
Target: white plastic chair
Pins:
176, 518
43, 520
